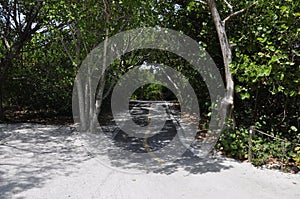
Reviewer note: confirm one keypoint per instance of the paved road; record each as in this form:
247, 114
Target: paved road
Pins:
165, 120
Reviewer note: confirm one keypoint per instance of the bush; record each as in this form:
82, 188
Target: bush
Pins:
234, 143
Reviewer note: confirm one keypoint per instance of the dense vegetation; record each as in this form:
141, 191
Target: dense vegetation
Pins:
44, 42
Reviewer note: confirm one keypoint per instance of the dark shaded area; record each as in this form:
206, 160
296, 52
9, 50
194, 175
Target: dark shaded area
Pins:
15, 115
154, 143
136, 163
194, 165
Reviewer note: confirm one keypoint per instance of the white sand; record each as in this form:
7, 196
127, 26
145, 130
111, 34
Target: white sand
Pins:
38, 161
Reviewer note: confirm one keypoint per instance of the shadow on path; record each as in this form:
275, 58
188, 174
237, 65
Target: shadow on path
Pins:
32, 154
111, 153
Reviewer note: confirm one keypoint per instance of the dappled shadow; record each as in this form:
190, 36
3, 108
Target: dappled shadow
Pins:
138, 160
122, 151
32, 154
194, 165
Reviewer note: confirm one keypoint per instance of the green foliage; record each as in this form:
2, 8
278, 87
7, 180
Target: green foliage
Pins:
264, 149
149, 92
44, 77
296, 155
266, 52
234, 143
265, 67
266, 72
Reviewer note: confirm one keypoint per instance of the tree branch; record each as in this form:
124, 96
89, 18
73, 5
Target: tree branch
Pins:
14, 16
6, 43
109, 90
237, 12
66, 50
229, 6
200, 1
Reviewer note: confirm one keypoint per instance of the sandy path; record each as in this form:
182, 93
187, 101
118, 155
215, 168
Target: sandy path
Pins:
39, 161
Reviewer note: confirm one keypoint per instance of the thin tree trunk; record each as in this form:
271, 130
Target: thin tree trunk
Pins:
81, 104
5, 64
227, 103
99, 97
1, 100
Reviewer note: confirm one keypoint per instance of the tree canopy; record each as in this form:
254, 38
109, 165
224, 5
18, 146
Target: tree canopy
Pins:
43, 44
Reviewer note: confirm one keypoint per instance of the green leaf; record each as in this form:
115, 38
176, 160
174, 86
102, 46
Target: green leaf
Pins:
280, 88
292, 93
293, 128
261, 54
297, 14
245, 95
282, 76
262, 40
272, 48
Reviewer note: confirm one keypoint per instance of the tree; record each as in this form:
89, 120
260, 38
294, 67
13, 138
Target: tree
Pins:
83, 34
20, 20
266, 65
227, 103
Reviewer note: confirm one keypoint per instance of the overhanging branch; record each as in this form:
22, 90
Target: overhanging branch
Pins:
6, 43
200, 1
229, 6
66, 49
237, 12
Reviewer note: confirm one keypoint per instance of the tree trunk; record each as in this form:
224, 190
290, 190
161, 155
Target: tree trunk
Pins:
99, 97
81, 104
1, 100
227, 102
5, 64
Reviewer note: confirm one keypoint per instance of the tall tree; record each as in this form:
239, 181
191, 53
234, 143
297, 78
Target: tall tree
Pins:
83, 33
227, 103
20, 20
